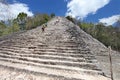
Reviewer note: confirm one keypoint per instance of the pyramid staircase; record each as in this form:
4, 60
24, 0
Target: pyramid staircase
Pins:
57, 52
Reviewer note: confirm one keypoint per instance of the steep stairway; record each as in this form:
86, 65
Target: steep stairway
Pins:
57, 52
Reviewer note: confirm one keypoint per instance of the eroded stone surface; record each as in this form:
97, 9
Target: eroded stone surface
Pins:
62, 52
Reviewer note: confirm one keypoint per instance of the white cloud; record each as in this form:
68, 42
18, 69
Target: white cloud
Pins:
2, 0
110, 20
81, 8
10, 11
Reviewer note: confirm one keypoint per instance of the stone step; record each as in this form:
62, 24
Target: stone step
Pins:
68, 41
65, 42
44, 60
67, 46
20, 45
62, 50
8, 47
58, 67
41, 45
84, 65
77, 55
85, 59
47, 47
18, 50
63, 53
58, 47
66, 75
53, 57
27, 52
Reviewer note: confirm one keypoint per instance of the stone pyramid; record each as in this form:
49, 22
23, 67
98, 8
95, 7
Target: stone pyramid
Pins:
61, 52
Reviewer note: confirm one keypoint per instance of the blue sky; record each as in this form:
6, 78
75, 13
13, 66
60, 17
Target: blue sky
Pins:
46, 6
105, 11
113, 8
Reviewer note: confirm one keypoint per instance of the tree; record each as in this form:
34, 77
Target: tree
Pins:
70, 18
21, 18
45, 18
117, 25
2, 27
15, 26
30, 23
52, 15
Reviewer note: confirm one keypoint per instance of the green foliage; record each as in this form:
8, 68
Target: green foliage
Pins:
86, 26
30, 23
45, 18
21, 20
15, 27
21, 16
70, 18
52, 15
37, 20
5, 30
2, 25
2, 28
108, 35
